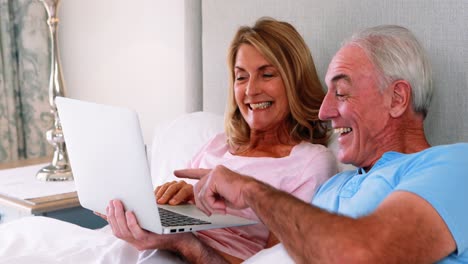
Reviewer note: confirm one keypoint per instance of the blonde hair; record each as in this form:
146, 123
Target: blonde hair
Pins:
285, 49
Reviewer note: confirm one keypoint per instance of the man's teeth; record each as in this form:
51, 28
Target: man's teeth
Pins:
342, 130
262, 105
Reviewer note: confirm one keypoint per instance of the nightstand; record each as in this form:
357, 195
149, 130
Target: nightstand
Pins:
63, 206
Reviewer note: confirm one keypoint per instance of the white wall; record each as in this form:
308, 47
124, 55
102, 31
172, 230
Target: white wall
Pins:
439, 25
142, 54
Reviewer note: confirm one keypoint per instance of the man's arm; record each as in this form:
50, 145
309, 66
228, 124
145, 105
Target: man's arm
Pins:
403, 229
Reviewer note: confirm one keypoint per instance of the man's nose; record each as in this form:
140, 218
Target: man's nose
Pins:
328, 108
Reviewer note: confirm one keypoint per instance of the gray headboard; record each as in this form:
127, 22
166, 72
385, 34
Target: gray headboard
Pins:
440, 25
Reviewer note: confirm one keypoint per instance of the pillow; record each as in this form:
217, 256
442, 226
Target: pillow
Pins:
175, 143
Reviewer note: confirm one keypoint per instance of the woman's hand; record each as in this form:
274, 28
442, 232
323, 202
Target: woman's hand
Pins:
124, 225
174, 193
103, 216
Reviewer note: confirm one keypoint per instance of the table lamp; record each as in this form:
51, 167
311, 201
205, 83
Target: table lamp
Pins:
59, 169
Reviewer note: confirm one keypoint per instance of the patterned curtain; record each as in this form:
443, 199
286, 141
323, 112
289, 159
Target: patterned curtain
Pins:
24, 78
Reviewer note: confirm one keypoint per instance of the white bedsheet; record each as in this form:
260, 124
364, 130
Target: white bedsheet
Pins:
46, 240
276, 254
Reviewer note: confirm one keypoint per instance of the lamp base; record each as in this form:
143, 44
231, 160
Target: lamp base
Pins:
52, 173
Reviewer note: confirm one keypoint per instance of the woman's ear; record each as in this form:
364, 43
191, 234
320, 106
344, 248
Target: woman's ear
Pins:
401, 98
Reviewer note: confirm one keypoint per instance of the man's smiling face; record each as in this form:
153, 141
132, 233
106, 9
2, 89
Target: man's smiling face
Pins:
358, 110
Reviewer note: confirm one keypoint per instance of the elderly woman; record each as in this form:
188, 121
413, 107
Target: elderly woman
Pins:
272, 132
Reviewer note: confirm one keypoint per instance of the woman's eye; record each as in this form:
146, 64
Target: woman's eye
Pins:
240, 78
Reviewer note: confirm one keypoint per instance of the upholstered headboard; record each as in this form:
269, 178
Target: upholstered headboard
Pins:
440, 26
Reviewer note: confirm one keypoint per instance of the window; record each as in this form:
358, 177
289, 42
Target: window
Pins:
24, 77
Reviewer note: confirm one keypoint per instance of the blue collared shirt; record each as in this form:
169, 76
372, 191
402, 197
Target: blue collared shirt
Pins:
438, 174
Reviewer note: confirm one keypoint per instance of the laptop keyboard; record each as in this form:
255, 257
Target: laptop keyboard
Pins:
169, 218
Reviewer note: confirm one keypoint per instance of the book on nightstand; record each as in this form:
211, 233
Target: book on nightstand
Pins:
22, 194
19, 186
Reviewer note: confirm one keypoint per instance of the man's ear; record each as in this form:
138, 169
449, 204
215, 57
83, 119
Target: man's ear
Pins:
401, 98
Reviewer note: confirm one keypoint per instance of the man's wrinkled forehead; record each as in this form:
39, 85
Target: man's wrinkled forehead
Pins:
348, 59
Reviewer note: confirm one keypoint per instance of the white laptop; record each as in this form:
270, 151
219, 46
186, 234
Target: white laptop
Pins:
108, 159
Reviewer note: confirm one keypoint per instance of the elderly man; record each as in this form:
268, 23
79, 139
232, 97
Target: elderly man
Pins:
404, 203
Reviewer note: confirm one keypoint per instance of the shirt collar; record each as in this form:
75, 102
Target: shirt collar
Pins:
386, 157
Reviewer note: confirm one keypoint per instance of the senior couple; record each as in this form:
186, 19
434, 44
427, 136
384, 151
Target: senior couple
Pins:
403, 203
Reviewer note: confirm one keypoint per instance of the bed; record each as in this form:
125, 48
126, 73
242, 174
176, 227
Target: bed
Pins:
440, 25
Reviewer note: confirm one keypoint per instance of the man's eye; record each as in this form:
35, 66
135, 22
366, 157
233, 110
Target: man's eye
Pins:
339, 95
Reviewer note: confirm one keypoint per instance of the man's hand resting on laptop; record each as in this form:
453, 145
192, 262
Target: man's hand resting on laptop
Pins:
174, 193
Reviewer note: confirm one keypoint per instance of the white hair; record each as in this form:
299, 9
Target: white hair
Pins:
398, 55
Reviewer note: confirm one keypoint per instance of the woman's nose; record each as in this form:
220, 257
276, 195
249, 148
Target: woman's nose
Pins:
253, 87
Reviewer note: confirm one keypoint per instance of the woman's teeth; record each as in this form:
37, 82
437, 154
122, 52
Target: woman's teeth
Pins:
342, 130
262, 105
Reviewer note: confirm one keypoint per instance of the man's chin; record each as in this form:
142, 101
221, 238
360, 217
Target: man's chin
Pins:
343, 158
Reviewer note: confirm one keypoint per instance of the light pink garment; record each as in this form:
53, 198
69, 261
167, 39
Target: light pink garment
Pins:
300, 173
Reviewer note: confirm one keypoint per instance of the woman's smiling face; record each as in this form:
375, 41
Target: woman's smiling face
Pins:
259, 90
